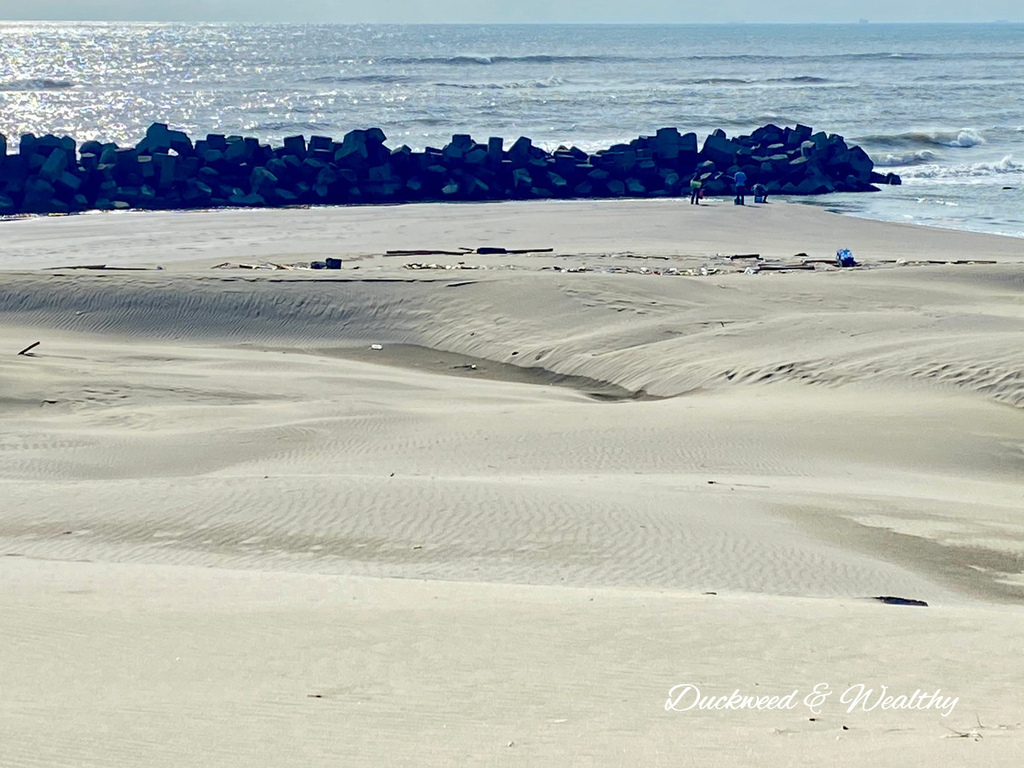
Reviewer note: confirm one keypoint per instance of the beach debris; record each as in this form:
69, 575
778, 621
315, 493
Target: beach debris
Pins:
974, 733
333, 263
903, 262
783, 267
376, 347
954, 734
421, 265
671, 271
106, 267
844, 258
737, 256
30, 347
260, 265
577, 270
890, 600
494, 250
429, 252
638, 256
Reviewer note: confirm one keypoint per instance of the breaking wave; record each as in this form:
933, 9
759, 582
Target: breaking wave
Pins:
1006, 166
900, 159
962, 138
799, 80
549, 82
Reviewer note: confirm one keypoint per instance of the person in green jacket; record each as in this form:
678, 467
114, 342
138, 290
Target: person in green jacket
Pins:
695, 187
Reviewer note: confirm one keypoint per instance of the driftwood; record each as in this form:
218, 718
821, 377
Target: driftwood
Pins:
784, 267
428, 252
106, 267
736, 256
483, 250
29, 348
486, 249
890, 600
961, 261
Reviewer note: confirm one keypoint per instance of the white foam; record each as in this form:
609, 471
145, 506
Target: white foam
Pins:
966, 138
900, 159
971, 171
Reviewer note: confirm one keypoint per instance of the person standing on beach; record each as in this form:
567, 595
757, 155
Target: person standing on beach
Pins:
695, 189
741, 187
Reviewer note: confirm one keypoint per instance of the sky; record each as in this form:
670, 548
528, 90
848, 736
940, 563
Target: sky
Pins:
521, 11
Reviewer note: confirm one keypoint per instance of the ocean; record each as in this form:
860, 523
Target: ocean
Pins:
938, 104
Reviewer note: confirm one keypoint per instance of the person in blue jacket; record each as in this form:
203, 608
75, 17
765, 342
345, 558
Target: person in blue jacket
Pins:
741, 187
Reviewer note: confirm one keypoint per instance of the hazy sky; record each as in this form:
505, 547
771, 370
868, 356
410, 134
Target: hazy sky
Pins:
443, 11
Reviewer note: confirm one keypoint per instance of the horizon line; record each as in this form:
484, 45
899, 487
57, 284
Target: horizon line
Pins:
858, 23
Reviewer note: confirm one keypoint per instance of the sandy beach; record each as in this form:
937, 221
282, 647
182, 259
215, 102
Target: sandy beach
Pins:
490, 509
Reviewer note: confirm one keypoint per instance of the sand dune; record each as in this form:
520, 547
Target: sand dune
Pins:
270, 509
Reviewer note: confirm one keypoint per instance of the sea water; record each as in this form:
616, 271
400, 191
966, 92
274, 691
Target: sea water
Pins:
938, 104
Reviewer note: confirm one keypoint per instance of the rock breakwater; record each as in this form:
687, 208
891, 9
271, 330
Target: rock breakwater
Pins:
167, 169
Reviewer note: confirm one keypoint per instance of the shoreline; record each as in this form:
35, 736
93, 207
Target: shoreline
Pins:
357, 233
822, 203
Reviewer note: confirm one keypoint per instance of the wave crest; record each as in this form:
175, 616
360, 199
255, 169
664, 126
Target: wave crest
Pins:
962, 138
482, 60
974, 171
548, 82
900, 159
